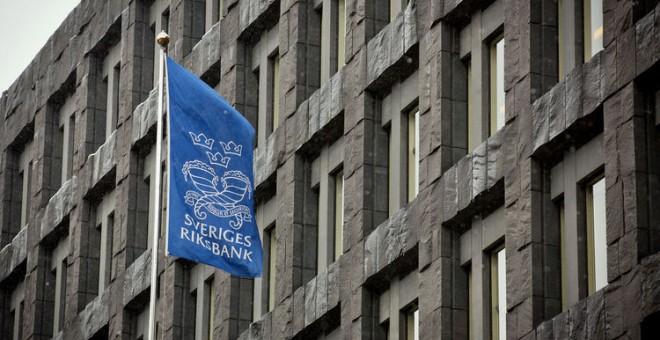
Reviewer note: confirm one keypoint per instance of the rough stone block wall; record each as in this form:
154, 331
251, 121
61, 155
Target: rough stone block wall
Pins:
615, 93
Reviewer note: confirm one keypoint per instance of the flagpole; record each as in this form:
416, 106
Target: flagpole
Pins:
163, 39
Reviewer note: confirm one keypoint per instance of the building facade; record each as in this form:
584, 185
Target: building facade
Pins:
424, 169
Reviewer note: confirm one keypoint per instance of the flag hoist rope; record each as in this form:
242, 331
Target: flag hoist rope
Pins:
162, 39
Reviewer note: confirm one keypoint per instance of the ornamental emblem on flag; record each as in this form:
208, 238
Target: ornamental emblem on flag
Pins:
223, 196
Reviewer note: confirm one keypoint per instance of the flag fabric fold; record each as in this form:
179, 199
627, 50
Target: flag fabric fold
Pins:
211, 217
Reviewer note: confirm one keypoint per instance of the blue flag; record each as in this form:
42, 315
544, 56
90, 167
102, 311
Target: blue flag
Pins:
211, 200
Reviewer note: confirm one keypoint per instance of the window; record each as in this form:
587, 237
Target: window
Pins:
482, 255
201, 287
159, 20
412, 323
275, 89
328, 181
413, 153
400, 116
110, 75
25, 181
498, 293
150, 193
67, 127
396, 6
596, 234
140, 326
580, 32
271, 235
264, 287
58, 268
213, 13
333, 37
577, 189
105, 219
496, 85
265, 70
16, 307
398, 311
482, 52
593, 28
339, 214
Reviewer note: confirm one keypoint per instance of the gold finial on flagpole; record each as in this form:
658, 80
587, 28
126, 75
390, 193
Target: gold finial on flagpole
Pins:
163, 39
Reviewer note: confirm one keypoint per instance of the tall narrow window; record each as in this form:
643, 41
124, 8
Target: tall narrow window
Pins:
593, 28
596, 235
104, 224
401, 117
562, 245
265, 60
59, 270
212, 14
412, 323
561, 40
498, 294
275, 92
272, 265
481, 48
470, 304
341, 33
210, 293
111, 73
201, 291
327, 179
396, 6
333, 37
413, 153
67, 126
497, 85
339, 214
25, 180
16, 306
470, 96
264, 287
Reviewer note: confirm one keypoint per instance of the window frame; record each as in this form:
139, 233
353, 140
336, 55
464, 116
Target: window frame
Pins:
568, 181
59, 267
201, 287
396, 109
395, 302
111, 76
264, 52
266, 216
104, 212
324, 171
486, 25
484, 238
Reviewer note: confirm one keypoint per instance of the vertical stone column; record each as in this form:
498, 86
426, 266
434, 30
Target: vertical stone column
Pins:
522, 177
361, 121
629, 237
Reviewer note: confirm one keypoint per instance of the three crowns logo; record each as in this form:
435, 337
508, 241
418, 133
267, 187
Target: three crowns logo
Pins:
220, 158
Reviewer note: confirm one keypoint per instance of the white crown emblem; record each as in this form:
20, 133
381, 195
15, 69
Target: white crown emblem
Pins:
218, 159
231, 148
201, 140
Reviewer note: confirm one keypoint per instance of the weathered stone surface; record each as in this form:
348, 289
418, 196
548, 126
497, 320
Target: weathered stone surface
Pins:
310, 302
102, 161
59, 206
265, 160
145, 116
298, 310
136, 278
13, 254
